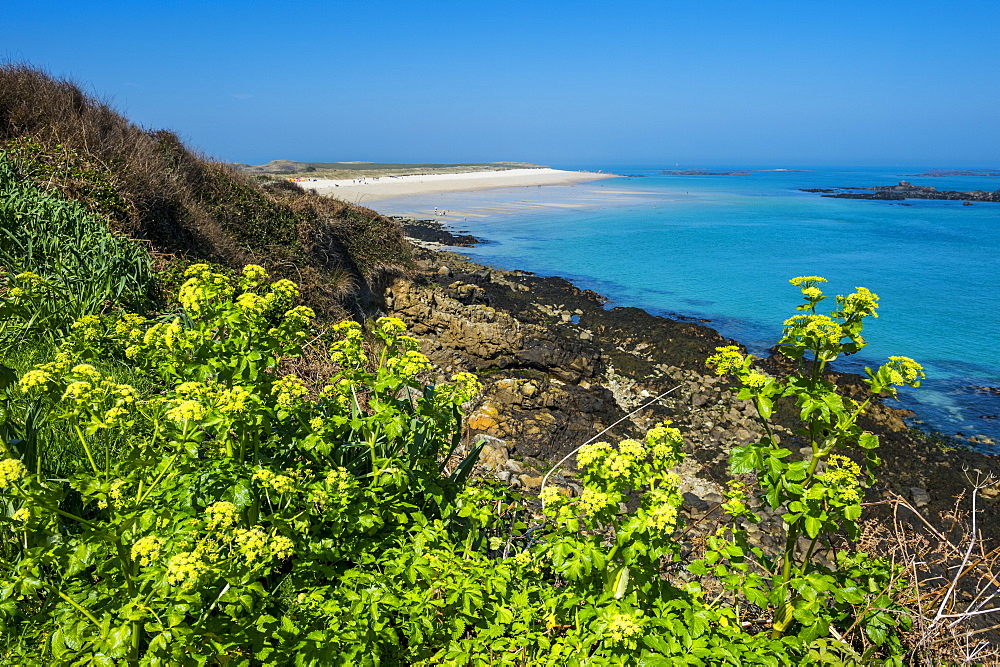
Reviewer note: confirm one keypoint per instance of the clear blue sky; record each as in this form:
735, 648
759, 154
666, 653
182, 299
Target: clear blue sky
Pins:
563, 83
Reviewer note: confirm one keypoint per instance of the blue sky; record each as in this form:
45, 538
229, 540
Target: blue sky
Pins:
564, 83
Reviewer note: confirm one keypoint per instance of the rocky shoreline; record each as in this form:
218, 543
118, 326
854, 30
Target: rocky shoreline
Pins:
905, 190
558, 367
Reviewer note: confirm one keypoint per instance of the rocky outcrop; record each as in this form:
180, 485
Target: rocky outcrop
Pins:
906, 190
558, 367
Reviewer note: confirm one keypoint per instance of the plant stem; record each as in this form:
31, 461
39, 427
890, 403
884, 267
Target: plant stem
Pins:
86, 448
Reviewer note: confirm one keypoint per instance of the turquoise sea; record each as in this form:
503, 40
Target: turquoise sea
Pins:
722, 248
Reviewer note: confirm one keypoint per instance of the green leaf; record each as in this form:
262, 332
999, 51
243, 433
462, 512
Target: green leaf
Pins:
813, 526
867, 440
744, 459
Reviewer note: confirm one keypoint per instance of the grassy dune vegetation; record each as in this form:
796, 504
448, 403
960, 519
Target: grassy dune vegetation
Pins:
345, 170
197, 468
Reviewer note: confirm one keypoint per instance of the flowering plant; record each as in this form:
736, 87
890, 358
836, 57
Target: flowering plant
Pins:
235, 485
819, 496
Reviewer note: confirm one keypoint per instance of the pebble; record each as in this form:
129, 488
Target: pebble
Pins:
920, 496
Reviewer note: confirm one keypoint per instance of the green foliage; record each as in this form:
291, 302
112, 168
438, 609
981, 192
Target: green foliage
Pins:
819, 497
62, 262
251, 517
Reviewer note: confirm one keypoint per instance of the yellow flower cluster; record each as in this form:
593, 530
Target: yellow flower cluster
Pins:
806, 282
147, 550
253, 276
841, 480
819, 328
593, 501
281, 547
187, 411
42, 374
622, 627
162, 336
341, 481
350, 329
410, 364
466, 387
235, 401
390, 325
202, 288
624, 463
812, 293
903, 370
755, 379
282, 483
11, 472
862, 303
27, 286
727, 359
665, 442
33, 380
221, 515
289, 391
185, 568
662, 517
253, 544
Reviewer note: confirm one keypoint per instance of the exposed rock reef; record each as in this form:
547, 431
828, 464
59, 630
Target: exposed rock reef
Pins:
558, 368
906, 190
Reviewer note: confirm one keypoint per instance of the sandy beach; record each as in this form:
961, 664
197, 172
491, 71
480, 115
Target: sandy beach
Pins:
366, 190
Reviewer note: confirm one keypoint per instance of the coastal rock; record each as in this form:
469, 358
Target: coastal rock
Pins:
548, 389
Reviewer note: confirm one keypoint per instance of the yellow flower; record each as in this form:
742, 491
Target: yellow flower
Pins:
186, 411
904, 370
11, 472
863, 303
807, 281
662, 517
289, 391
253, 544
147, 550
390, 325
815, 327
622, 627
593, 501
221, 515
589, 454
281, 547
253, 276
77, 391
235, 402
184, 569
727, 359
755, 379
32, 380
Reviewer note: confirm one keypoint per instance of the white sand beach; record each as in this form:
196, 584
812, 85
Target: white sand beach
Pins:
366, 190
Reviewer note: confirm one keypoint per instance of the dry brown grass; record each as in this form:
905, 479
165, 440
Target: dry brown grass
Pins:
152, 187
953, 576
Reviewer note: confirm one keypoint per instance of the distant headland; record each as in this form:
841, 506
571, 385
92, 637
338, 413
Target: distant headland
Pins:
906, 190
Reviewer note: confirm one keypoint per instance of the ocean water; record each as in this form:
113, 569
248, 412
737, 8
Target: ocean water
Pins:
722, 249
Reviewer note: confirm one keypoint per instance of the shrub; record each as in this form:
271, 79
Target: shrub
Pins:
250, 517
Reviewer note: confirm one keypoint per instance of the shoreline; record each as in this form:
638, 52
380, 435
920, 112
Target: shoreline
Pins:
440, 236
365, 190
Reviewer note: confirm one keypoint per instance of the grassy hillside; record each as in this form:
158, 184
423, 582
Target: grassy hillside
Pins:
148, 185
